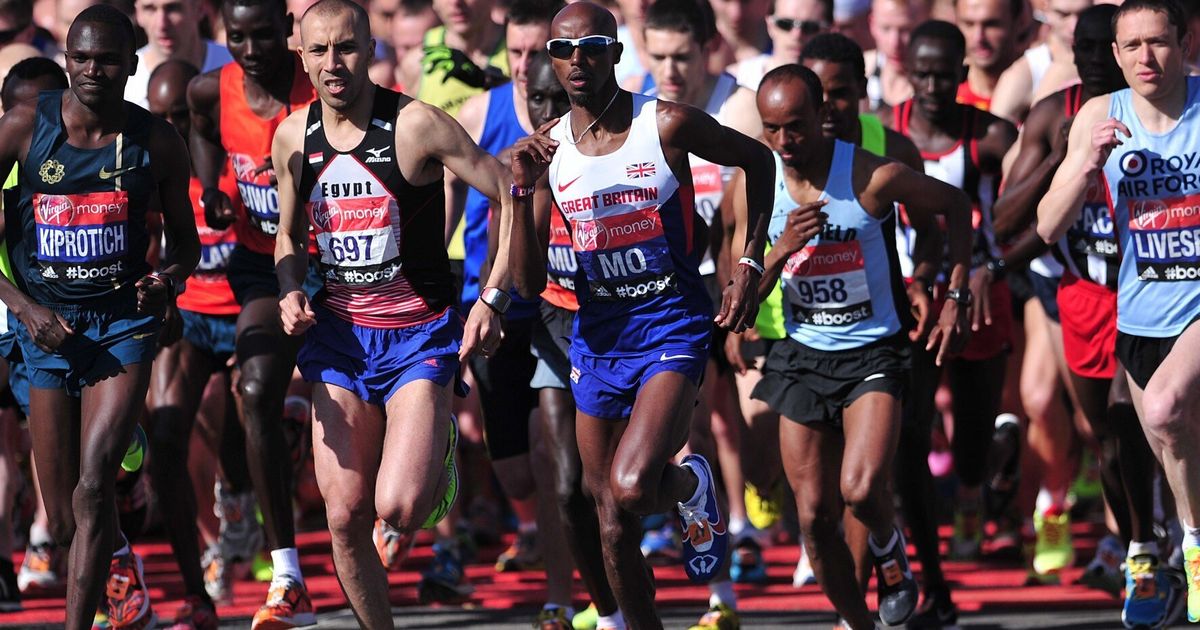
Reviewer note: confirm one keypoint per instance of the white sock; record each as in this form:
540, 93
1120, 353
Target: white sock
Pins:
701, 486
879, 549
39, 535
736, 527
722, 593
615, 621
1142, 549
1007, 418
286, 563
1191, 535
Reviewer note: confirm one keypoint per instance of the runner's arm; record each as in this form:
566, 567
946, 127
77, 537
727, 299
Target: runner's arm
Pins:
530, 216
1093, 137
207, 152
1039, 155
925, 197
291, 242
170, 160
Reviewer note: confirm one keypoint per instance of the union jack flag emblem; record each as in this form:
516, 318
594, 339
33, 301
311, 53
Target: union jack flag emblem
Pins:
639, 170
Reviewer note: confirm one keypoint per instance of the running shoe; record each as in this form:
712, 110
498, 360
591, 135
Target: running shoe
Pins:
100, 619
704, 536
40, 568
10, 595
718, 617
1149, 593
240, 536
552, 620
763, 510
391, 544
898, 593
1104, 573
966, 544
1191, 565
195, 614
586, 619
937, 612
126, 600
748, 566
444, 580
1003, 464
443, 507
1053, 551
136, 452
661, 542
218, 578
522, 555
804, 574
288, 606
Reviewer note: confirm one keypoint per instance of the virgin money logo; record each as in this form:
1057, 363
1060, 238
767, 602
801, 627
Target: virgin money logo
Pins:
1133, 163
1149, 214
244, 167
55, 209
325, 216
590, 235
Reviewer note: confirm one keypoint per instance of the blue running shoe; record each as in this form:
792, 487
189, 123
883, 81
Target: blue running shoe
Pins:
444, 581
704, 539
1149, 593
747, 563
660, 543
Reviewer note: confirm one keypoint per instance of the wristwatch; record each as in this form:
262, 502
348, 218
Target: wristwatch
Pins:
961, 296
998, 268
496, 299
175, 288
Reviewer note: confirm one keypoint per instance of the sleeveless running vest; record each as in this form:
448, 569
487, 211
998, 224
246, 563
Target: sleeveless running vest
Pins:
1090, 250
247, 141
561, 266
769, 322
967, 96
631, 223
448, 93
377, 235
82, 212
1154, 181
208, 290
840, 291
958, 167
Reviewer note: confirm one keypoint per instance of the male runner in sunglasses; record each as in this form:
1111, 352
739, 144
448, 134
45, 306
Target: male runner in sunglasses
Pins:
619, 174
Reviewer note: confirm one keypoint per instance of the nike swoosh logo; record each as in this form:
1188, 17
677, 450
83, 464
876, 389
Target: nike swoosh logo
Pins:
141, 335
664, 357
874, 376
561, 187
111, 174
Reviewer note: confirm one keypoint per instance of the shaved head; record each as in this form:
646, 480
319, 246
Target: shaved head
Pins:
579, 19
166, 93
334, 9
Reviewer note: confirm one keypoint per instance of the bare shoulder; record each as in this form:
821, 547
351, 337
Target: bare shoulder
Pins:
473, 113
901, 148
678, 119
204, 91
1095, 109
290, 132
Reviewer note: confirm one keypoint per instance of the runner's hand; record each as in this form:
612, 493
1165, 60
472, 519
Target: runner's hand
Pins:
981, 307
47, 328
1105, 138
531, 155
296, 313
733, 352
218, 208
739, 300
152, 296
922, 310
267, 166
482, 333
803, 224
172, 328
951, 333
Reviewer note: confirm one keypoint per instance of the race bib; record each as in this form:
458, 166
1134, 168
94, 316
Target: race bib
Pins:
259, 197
826, 284
1166, 238
82, 237
625, 256
356, 239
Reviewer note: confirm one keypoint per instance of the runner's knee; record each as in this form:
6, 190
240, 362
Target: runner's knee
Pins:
631, 490
349, 520
88, 499
861, 486
1165, 415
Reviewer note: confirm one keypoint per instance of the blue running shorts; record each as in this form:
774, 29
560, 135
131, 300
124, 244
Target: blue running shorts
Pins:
607, 386
213, 334
375, 363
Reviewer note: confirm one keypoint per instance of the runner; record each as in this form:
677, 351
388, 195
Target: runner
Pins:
461, 58
1087, 304
1158, 294
209, 316
1042, 69
840, 385
172, 32
383, 336
992, 32
636, 361
790, 24
235, 111
892, 22
90, 308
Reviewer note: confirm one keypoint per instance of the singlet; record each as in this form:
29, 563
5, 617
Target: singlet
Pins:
1039, 61
501, 129
82, 212
958, 167
208, 290
631, 224
247, 140
749, 72
1154, 181
967, 96
561, 266
842, 290
447, 93
875, 81
769, 322
709, 179
1090, 250
378, 237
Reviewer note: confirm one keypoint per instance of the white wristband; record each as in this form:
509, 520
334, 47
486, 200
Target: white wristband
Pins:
753, 264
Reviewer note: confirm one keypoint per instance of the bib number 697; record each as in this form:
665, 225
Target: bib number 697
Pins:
350, 248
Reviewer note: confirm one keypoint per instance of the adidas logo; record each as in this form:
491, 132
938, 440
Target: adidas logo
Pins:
49, 272
1149, 274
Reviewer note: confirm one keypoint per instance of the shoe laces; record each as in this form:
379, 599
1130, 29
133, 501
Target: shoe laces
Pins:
695, 517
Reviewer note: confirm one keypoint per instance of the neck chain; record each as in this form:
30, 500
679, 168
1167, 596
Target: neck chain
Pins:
575, 140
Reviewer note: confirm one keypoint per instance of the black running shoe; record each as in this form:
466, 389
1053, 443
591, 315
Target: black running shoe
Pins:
898, 593
937, 612
10, 595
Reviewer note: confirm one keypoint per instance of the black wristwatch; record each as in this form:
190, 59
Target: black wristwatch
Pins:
961, 296
998, 268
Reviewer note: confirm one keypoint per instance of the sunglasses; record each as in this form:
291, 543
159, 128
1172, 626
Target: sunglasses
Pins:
807, 27
592, 46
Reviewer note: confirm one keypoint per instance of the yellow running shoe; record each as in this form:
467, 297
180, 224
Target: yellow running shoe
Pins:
1053, 550
586, 619
719, 617
1191, 565
763, 511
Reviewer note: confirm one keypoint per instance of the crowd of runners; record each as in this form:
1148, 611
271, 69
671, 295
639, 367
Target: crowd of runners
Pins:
636, 280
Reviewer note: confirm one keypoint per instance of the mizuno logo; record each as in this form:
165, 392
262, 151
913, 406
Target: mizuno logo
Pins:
377, 155
664, 357
563, 187
105, 174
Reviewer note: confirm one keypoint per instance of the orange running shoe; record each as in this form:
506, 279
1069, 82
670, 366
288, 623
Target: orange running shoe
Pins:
126, 598
288, 606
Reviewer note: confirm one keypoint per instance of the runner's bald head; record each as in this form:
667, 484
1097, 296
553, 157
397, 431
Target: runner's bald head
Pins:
580, 19
106, 18
343, 9
169, 80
